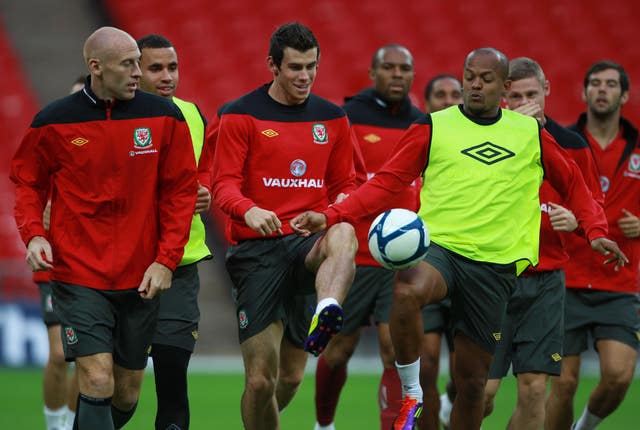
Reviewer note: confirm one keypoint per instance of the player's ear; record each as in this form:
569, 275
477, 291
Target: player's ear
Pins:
272, 66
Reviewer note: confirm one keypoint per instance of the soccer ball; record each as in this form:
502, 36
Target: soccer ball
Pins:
398, 239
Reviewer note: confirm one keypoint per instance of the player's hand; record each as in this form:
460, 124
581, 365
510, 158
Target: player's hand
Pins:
629, 224
562, 219
46, 216
156, 279
203, 202
531, 109
39, 255
605, 247
263, 221
308, 223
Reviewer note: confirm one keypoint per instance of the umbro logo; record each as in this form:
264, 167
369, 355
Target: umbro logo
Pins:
79, 141
497, 336
269, 132
556, 357
488, 153
372, 138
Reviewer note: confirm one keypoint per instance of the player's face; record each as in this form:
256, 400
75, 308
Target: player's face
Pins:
526, 91
393, 75
159, 71
604, 94
482, 85
120, 73
292, 81
445, 92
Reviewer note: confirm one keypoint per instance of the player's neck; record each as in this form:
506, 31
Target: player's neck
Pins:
603, 130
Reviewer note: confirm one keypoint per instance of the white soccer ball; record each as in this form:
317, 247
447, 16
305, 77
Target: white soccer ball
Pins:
398, 239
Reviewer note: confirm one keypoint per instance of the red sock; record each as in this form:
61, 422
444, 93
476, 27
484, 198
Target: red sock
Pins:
329, 383
389, 397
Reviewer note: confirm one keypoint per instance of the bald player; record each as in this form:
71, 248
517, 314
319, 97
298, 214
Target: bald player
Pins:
123, 175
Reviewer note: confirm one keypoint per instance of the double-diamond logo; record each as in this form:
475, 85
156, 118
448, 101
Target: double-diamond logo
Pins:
488, 153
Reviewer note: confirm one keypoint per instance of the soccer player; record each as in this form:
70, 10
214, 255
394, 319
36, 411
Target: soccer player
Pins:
482, 169
378, 117
280, 149
441, 92
123, 178
599, 303
533, 329
179, 314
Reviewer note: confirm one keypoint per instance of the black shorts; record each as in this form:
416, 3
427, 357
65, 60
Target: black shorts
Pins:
46, 305
119, 322
601, 315
370, 294
179, 313
533, 329
271, 283
436, 318
479, 294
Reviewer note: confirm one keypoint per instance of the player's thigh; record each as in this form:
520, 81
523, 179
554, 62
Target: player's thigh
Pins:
617, 360
261, 352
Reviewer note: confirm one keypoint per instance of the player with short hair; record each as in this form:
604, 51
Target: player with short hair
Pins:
177, 330
280, 149
533, 329
599, 303
482, 169
122, 176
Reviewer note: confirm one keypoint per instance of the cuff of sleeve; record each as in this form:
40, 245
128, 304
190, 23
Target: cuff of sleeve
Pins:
243, 207
333, 217
27, 235
166, 261
596, 233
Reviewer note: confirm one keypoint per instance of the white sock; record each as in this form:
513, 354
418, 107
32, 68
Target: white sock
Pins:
445, 409
71, 416
327, 427
55, 418
410, 379
326, 302
587, 421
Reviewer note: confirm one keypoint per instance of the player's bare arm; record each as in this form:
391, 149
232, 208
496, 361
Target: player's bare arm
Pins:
629, 224
263, 221
157, 278
203, 201
308, 223
39, 255
607, 246
562, 219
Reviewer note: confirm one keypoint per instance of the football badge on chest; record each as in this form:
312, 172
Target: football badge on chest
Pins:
320, 135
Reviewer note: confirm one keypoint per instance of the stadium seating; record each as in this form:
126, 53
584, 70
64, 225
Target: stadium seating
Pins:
223, 45
17, 107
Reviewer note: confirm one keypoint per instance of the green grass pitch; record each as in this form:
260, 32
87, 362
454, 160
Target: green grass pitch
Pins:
215, 403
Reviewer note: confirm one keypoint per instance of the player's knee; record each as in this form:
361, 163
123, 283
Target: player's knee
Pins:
342, 237
531, 391
565, 385
338, 354
97, 382
260, 386
617, 381
472, 388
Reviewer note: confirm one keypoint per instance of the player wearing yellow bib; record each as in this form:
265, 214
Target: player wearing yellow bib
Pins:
482, 169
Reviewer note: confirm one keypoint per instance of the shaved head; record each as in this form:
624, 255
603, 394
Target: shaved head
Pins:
501, 65
104, 42
113, 59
